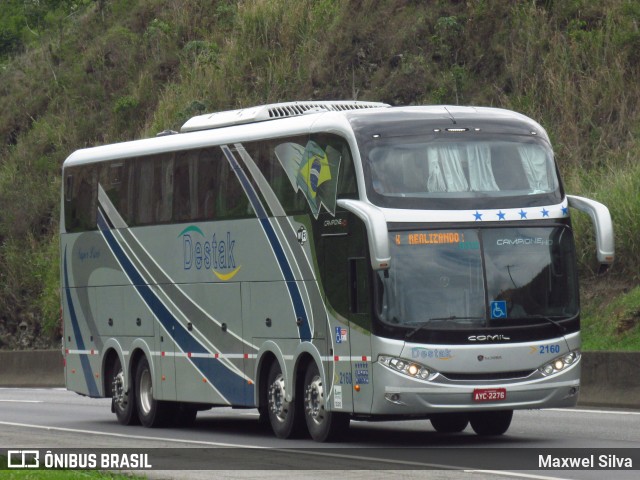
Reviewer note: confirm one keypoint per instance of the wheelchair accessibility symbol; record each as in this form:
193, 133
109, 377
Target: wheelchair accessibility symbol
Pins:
499, 309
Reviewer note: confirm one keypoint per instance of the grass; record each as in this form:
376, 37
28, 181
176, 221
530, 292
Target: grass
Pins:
60, 474
613, 325
63, 475
619, 189
101, 72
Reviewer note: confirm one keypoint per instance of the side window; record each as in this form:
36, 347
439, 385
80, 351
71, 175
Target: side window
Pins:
147, 184
182, 188
231, 201
117, 179
163, 191
306, 173
282, 179
68, 187
207, 184
81, 198
339, 154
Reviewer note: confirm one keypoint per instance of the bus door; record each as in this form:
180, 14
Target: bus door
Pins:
342, 250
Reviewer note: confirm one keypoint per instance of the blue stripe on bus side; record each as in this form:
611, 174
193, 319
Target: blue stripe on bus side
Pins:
84, 360
304, 331
229, 384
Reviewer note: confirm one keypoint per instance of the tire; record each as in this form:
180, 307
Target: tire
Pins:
185, 414
491, 423
322, 424
263, 414
123, 402
450, 422
151, 412
284, 417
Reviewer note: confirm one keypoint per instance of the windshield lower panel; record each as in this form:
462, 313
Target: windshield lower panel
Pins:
470, 279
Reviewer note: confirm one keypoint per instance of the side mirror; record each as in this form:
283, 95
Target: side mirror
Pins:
376, 224
605, 248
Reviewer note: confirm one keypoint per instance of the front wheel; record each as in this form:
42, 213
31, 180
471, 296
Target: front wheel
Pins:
491, 423
322, 424
284, 417
450, 422
152, 412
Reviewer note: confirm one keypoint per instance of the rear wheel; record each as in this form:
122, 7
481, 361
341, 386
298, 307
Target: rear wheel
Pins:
322, 424
491, 423
151, 412
450, 422
284, 417
122, 398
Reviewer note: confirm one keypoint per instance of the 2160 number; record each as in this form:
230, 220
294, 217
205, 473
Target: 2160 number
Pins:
548, 349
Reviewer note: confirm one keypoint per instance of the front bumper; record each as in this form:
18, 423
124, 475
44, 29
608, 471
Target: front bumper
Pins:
406, 396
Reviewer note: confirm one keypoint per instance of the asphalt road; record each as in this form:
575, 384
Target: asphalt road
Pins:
56, 419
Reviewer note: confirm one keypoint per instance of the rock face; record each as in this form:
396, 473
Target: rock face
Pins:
25, 335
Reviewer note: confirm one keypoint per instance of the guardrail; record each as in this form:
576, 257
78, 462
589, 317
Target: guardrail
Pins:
32, 368
609, 379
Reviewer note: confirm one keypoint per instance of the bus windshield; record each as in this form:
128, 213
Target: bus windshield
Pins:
465, 170
465, 278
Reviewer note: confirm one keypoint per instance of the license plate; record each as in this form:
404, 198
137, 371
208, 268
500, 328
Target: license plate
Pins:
489, 394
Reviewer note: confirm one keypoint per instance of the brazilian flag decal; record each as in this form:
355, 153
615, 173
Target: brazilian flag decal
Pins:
314, 171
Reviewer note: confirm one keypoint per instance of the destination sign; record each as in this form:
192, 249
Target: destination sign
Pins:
429, 238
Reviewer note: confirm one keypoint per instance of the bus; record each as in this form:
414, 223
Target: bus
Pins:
322, 262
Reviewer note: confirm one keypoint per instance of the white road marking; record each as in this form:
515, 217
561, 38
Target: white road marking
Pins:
578, 410
22, 401
514, 474
120, 435
15, 389
404, 463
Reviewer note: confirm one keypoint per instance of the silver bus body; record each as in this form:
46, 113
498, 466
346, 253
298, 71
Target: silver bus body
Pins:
256, 260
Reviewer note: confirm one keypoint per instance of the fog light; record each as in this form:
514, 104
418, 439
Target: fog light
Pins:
393, 398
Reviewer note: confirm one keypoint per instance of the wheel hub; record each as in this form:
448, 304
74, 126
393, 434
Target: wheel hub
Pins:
277, 401
314, 400
146, 392
117, 390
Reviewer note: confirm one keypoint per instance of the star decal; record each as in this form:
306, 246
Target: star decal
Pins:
501, 215
545, 213
565, 211
523, 214
478, 216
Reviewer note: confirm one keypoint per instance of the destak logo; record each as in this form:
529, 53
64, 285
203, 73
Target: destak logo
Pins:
214, 253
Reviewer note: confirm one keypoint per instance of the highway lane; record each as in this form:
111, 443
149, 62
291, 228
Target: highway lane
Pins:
54, 418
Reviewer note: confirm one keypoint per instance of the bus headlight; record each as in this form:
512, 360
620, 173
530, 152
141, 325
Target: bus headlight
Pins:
560, 364
407, 367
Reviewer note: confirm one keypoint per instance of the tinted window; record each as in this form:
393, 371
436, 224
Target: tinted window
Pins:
80, 198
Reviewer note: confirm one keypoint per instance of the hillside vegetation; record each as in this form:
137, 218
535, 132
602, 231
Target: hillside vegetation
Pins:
78, 73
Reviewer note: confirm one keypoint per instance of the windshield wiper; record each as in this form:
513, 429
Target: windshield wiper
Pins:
551, 320
436, 319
